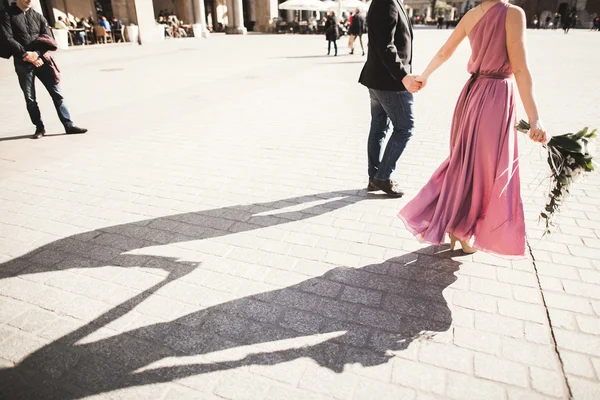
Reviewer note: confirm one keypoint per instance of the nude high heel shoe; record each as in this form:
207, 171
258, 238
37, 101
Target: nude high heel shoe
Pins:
466, 248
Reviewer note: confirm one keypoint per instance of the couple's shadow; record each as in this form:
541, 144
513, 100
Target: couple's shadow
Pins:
362, 315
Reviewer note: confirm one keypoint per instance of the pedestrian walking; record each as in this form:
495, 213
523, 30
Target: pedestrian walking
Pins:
25, 35
357, 29
388, 76
476, 190
332, 32
566, 23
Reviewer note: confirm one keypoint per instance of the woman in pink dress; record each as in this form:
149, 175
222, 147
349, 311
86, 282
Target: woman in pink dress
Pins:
475, 193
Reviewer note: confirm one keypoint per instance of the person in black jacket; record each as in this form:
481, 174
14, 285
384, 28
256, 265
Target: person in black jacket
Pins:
332, 32
20, 27
387, 74
357, 29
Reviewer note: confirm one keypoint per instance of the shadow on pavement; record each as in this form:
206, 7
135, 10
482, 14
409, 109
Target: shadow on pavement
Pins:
6, 139
364, 313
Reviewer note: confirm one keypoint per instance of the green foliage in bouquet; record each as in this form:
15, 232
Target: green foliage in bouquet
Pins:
569, 157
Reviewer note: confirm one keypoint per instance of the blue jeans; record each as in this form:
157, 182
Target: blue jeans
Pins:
386, 107
27, 73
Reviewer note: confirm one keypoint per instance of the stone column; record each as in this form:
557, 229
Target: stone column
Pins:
148, 31
239, 29
230, 16
200, 19
266, 11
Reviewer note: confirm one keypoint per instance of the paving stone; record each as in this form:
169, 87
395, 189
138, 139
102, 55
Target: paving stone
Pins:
33, 320
477, 340
524, 311
491, 287
447, 356
529, 353
302, 322
321, 287
475, 301
537, 333
517, 277
19, 345
280, 393
577, 364
462, 386
421, 377
325, 382
242, 386
367, 389
584, 389
499, 370
583, 343
498, 324
361, 296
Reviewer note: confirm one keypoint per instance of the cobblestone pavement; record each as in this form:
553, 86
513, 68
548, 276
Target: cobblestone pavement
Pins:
210, 237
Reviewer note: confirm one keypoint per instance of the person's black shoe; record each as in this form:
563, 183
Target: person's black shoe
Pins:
389, 187
73, 130
39, 132
371, 187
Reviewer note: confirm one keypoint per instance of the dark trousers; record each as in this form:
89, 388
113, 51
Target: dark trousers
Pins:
386, 107
27, 74
329, 46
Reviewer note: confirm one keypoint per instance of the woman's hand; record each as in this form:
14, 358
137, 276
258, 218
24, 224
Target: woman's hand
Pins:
423, 80
537, 132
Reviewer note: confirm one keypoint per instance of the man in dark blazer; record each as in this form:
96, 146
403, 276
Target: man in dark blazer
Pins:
357, 28
388, 75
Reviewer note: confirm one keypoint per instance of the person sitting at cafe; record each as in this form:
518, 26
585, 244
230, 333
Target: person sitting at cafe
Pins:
79, 31
105, 24
60, 24
117, 28
87, 28
163, 21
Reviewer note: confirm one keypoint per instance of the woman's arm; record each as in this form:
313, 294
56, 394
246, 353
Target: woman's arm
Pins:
517, 55
444, 54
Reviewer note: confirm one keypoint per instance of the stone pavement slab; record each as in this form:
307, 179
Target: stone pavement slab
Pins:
211, 238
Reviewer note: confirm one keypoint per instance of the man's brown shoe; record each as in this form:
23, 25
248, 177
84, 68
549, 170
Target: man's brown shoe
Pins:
371, 187
389, 187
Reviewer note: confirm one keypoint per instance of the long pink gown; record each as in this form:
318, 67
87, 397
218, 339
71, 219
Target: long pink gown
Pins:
476, 190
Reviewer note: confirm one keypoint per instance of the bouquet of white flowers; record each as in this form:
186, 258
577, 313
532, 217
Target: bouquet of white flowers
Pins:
570, 157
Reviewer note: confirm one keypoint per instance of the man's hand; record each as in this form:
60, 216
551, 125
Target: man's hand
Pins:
31, 56
411, 84
38, 63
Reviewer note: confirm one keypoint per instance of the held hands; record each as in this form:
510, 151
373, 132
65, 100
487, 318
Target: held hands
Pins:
412, 84
537, 132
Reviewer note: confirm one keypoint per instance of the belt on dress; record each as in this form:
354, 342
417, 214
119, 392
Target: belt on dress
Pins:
476, 76
489, 76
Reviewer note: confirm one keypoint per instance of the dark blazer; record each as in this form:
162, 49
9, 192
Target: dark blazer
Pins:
19, 30
389, 58
358, 25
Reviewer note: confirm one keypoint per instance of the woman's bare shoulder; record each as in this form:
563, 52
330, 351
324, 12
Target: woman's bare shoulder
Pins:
515, 13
